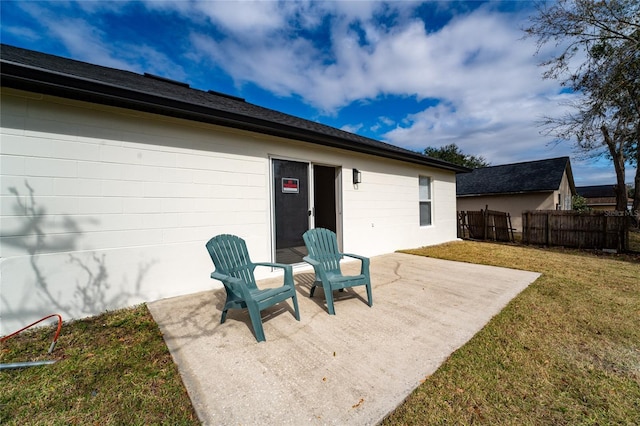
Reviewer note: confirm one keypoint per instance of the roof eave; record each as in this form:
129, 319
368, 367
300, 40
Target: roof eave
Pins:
485, 194
22, 77
572, 185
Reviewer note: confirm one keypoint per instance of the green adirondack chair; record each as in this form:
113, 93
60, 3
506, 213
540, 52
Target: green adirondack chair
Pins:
325, 258
236, 271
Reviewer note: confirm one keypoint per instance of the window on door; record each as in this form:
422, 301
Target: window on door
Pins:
425, 201
291, 209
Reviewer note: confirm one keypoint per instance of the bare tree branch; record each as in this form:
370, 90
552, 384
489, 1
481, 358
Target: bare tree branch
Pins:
606, 120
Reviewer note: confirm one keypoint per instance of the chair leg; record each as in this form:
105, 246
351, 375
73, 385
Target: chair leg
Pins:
224, 315
313, 289
295, 306
256, 321
369, 294
328, 294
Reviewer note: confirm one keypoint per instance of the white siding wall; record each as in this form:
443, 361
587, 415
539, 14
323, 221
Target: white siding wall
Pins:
104, 208
564, 193
381, 215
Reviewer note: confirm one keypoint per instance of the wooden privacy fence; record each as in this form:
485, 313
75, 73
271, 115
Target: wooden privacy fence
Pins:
485, 225
600, 230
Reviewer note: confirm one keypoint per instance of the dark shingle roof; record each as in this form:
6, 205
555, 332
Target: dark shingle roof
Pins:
596, 191
531, 176
43, 73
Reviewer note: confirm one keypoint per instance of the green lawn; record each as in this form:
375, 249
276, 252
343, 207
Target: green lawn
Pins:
565, 351
113, 369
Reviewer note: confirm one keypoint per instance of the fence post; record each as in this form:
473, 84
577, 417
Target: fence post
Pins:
462, 220
548, 230
510, 227
485, 220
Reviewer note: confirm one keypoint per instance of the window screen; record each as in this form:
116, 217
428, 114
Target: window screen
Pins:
425, 201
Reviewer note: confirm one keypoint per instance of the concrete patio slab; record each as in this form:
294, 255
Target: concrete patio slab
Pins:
352, 368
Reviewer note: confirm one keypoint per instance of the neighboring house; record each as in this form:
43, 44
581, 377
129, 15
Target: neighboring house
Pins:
112, 182
600, 197
514, 188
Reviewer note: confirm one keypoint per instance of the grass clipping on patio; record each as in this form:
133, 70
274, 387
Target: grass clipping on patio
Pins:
565, 351
111, 369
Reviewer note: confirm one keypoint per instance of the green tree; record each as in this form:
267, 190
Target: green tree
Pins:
579, 203
453, 154
599, 58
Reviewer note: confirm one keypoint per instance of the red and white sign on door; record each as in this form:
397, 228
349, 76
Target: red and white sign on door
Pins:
290, 185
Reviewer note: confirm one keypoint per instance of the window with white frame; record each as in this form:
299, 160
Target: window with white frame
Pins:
425, 201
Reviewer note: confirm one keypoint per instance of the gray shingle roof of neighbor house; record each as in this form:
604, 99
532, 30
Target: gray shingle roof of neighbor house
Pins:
516, 178
53, 75
596, 191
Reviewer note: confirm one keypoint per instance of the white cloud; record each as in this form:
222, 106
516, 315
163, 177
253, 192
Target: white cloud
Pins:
284, 63
486, 77
352, 128
279, 68
477, 58
88, 42
84, 42
243, 18
490, 86
386, 121
21, 32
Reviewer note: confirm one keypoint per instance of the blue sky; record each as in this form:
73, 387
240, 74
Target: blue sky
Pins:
414, 74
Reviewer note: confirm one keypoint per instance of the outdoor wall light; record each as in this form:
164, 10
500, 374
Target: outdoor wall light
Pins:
357, 176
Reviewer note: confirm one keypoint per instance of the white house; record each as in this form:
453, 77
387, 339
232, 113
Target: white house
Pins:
112, 182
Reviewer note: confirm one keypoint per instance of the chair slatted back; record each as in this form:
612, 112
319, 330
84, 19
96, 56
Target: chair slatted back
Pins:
231, 257
322, 245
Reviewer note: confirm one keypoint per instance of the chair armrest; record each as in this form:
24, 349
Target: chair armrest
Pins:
364, 268
220, 277
317, 267
236, 284
274, 265
356, 256
311, 261
227, 279
288, 271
